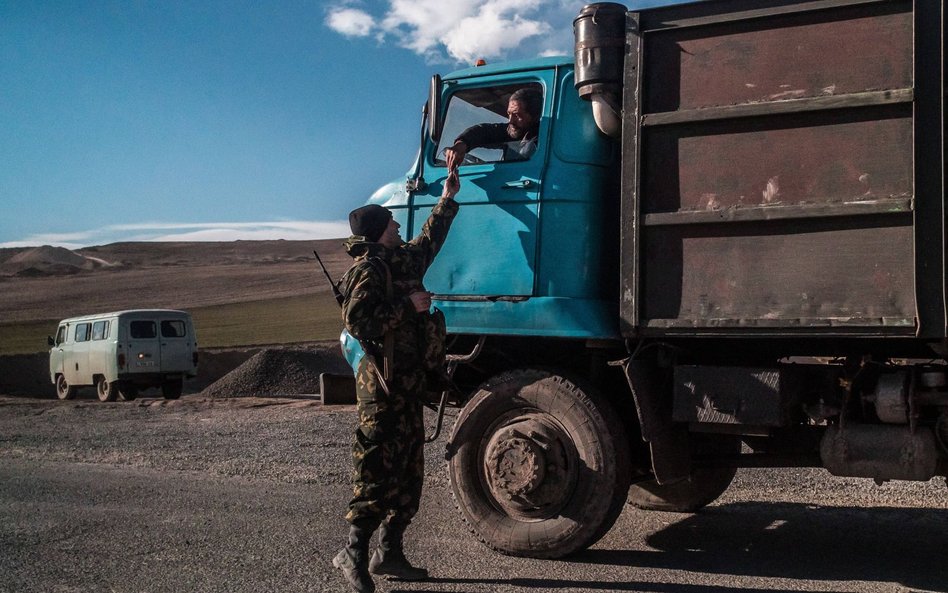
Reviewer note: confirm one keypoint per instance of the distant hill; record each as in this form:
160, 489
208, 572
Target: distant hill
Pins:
53, 282
48, 261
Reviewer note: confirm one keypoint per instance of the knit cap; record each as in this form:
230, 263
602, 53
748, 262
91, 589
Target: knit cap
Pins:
369, 221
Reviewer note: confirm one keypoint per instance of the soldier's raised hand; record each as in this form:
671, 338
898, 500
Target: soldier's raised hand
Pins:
452, 184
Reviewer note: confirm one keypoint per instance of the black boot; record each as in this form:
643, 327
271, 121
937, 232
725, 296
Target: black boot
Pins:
353, 560
389, 559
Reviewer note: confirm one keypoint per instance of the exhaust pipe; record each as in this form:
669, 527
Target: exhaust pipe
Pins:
599, 32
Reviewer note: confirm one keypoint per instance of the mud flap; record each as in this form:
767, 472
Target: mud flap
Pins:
668, 441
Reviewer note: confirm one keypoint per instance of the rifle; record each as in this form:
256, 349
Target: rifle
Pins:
335, 289
382, 376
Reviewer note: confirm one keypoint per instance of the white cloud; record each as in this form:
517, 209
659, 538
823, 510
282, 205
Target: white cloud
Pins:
461, 31
294, 230
490, 33
351, 22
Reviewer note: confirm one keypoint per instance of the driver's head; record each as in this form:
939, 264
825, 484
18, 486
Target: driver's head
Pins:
523, 112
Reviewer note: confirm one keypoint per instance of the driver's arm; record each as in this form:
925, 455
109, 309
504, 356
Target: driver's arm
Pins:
481, 135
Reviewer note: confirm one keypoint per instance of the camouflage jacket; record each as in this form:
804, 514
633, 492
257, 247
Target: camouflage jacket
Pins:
368, 313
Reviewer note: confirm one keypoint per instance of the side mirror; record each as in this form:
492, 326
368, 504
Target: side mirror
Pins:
434, 109
50, 340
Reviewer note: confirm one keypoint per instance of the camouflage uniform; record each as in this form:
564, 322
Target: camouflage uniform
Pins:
388, 449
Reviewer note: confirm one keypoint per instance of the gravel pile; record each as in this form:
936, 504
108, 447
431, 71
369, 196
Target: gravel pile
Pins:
278, 372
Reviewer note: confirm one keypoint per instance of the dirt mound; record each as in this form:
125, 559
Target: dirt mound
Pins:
279, 372
49, 261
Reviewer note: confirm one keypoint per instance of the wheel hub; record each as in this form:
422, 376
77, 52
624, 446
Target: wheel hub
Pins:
528, 467
517, 465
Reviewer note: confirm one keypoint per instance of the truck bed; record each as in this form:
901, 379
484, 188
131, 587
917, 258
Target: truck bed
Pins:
782, 170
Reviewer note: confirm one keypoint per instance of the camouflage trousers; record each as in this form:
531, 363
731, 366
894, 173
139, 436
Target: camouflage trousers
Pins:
388, 448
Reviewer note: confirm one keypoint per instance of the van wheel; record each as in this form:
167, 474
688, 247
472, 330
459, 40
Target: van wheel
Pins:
539, 465
63, 389
127, 392
172, 388
106, 390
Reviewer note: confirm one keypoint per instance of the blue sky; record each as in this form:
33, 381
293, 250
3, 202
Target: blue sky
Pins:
223, 120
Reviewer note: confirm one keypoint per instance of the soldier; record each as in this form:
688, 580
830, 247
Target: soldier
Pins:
386, 308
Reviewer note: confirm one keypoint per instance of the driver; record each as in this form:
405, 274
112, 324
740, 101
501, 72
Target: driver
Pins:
517, 138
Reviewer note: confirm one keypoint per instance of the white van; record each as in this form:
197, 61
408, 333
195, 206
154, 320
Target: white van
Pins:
123, 352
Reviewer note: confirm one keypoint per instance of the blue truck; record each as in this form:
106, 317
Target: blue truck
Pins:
727, 251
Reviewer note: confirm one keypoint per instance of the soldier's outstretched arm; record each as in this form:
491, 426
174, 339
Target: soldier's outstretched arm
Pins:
435, 230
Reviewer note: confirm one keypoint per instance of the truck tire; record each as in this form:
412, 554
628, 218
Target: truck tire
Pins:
127, 392
172, 388
106, 390
63, 389
703, 487
539, 466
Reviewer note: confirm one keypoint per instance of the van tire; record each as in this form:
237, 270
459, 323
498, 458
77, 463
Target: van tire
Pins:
106, 390
127, 392
63, 389
172, 388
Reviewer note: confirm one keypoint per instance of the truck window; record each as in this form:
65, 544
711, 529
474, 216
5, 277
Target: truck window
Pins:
173, 329
142, 330
100, 330
82, 332
61, 335
487, 105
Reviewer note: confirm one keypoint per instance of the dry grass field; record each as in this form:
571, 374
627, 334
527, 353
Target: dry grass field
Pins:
240, 293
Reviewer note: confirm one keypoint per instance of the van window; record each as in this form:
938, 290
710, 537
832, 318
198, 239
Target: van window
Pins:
173, 329
82, 332
100, 330
61, 335
143, 330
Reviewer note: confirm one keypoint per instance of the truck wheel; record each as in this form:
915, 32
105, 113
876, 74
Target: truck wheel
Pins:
106, 390
172, 388
63, 389
127, 392
539, 466
703, 487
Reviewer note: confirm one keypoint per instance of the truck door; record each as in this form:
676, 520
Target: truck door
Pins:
175, 346
144, 350
500, 193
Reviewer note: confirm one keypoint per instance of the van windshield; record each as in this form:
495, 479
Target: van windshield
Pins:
142, 330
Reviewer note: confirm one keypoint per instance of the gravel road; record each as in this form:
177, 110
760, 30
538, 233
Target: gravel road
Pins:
244, 495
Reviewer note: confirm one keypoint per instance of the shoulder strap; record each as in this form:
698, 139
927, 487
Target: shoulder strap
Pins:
388, 347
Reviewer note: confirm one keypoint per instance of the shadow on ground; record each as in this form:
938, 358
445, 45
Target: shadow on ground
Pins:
784, 541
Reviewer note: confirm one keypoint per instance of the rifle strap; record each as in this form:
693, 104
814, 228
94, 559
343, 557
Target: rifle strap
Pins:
388, 349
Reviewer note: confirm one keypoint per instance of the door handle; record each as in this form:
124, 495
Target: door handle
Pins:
522, 184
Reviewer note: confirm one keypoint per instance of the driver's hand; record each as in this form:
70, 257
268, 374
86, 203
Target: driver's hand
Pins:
454, 155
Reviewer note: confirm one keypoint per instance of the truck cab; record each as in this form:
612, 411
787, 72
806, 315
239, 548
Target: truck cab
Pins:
536, 215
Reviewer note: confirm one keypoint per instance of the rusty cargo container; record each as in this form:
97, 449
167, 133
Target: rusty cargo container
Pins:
783, 174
